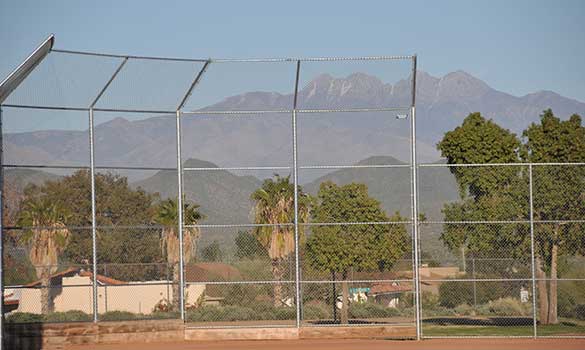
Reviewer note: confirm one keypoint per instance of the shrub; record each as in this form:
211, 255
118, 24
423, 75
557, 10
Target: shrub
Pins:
242, 294
316, 310
119, 316
569, 293
282, 313
506, 307
163, 305
68, 316
371, 310
452, 294
579, 311
464, 310
163, 315
439, 311
221, 313
24, 317
428, 300
257, 311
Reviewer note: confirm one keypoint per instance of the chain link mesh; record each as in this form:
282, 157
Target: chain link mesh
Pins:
499, 245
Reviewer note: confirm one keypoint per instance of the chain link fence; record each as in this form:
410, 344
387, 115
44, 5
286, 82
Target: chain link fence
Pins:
272, 193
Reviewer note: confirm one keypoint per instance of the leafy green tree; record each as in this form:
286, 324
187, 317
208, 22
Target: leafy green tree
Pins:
167, 215
501, 193
341, 248
248, 247
559, 194
488, 193
117, 204
45, 231
212, 252
480, 141
274, 208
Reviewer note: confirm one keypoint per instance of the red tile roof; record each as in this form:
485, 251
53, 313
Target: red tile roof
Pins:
72, 270
382, 288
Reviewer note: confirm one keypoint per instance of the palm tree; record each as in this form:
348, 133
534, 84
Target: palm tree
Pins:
275, 205
167, 215
48, 236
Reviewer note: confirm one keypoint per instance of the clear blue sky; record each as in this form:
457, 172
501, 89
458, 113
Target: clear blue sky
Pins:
515, 46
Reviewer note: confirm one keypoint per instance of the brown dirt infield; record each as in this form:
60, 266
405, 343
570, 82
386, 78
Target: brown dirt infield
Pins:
342, 344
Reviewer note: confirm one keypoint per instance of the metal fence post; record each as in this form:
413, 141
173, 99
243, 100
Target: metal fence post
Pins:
531, 200
1, 233
474, 281
296, 198
93, 216
180, 218
414, 203
180, 187
92, 180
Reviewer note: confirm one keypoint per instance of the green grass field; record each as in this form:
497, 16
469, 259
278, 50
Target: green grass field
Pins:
564, 328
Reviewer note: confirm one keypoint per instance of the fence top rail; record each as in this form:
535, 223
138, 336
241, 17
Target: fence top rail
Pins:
448, 165
206, 112
227, 60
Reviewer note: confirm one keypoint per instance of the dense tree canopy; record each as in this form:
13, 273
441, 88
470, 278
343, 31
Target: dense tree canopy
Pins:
480, 141
363, 247
338, 248
559, 194
248, 247
117, 204
501, 193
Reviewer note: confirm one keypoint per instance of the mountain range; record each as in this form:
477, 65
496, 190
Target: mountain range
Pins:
224, 196
266, 139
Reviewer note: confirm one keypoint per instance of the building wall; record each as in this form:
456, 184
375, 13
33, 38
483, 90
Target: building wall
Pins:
77, 294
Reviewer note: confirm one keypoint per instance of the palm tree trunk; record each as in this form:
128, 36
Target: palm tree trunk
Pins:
277, 273
45, 292
344, 300
176, 288
542, 292
552, 304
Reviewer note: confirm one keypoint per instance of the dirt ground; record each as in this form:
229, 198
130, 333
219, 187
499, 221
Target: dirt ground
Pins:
342, 344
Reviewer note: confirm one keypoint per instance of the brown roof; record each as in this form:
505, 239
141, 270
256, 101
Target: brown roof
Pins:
377, 275
102, 279
382, 288
11, 302
72, 270
211, 272
8, 301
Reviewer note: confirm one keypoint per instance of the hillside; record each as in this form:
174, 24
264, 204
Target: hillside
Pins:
265, 140
15, 181
223, 196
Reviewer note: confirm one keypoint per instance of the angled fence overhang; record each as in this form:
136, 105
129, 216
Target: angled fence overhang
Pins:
23, 70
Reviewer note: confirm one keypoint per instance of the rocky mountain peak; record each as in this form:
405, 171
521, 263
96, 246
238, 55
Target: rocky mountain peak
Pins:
461, 84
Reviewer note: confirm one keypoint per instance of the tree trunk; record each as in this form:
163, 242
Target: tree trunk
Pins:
176, 288
552, 304
542, 292
344, 300
463, 262
45, 293
277, 273
334, 292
